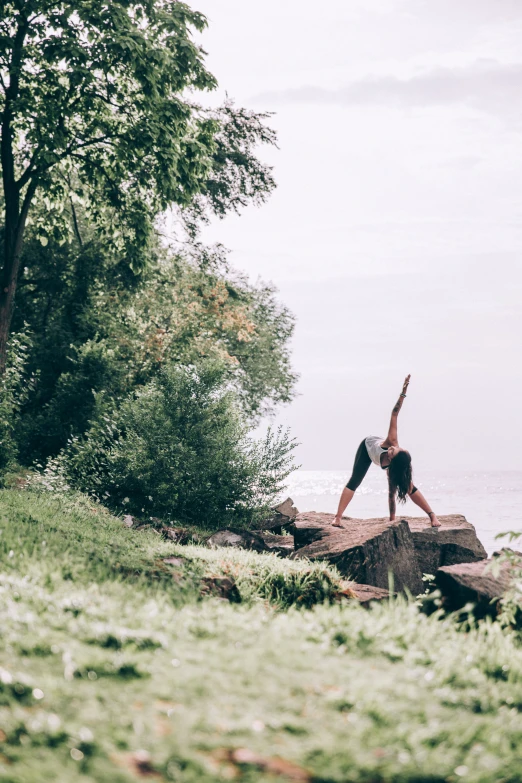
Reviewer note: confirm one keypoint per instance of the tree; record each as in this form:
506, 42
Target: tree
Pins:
95, 110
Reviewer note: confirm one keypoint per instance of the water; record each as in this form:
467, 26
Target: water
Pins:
492, 501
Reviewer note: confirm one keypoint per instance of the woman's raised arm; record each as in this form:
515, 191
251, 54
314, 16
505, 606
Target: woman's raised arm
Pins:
391, 438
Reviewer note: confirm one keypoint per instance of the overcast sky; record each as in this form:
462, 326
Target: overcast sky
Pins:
395, 234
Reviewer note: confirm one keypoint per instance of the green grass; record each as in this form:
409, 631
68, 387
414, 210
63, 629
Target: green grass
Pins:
126, 674
73, 539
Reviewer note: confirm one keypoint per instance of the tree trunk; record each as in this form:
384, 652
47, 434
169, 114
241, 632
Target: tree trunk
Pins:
15, 220
7, 293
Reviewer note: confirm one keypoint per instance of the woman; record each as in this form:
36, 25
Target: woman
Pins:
388, 455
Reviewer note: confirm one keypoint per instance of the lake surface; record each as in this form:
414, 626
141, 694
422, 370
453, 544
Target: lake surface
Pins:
492, 501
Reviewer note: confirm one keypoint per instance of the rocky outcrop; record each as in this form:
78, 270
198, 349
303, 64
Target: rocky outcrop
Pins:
454, 542
242, 539
365, 550
476, 583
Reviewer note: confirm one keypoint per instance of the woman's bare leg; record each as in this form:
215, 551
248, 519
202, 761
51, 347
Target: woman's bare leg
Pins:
419, 499
346, 496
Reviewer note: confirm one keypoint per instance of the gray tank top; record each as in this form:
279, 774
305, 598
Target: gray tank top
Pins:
374, 449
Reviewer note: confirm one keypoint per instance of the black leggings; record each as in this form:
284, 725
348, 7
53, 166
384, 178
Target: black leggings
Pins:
360, 468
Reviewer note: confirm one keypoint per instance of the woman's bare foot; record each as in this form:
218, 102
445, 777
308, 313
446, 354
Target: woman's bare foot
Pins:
434, 522
337, 522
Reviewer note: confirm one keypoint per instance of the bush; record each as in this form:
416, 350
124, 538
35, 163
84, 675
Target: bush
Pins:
180, 449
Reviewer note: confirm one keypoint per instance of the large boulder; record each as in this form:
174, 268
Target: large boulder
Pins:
365, 550
477, 583
454, 542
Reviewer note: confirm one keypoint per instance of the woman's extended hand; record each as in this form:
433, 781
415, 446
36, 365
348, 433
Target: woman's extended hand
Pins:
406, 384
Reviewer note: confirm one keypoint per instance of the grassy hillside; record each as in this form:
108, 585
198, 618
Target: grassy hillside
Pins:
114, 668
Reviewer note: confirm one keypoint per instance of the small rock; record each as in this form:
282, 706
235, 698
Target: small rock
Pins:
272, 765
221, 587
282, 517
138, 763
180, 535
363, 593
173, 561
128, 521
287, 509
149, 528
242, 539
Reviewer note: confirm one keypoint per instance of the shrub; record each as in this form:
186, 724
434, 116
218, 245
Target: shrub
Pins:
180, 448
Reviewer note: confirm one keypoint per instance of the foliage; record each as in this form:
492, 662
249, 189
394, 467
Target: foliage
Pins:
97, 116
266, 577
94, 97
105, 678
510, 604
15, 386
98, 333
179, 448
237, 176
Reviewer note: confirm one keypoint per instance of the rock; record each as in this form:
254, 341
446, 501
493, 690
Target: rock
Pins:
173, 561
137, 763
363, 593
454, 542
248, 539
365, 550
222, 587
128, 521
242, 539
287, 509
281, 545
275, 767
180, 535
282, 517
466, 583
148, 528
313, 526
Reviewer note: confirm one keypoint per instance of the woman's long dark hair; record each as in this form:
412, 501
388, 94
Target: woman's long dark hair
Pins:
400, 474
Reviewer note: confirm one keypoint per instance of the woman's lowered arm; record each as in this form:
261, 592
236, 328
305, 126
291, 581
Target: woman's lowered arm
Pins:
392, 491
391, 438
